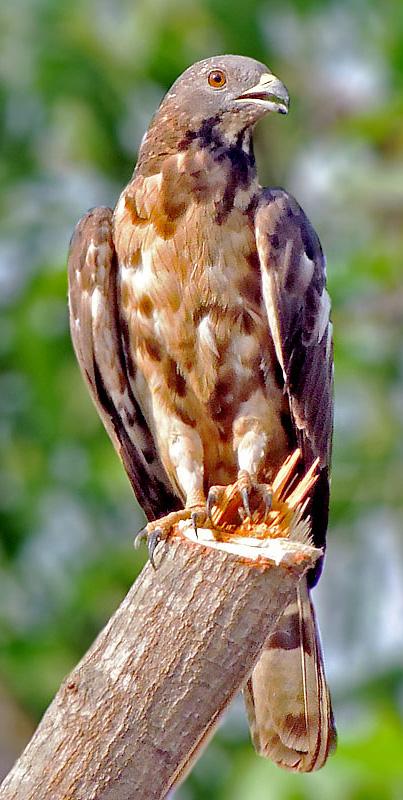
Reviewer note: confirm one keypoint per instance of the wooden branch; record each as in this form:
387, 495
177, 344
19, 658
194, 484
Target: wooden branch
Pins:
135, 712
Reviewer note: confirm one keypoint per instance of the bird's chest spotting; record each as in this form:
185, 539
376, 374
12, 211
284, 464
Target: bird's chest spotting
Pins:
192, 305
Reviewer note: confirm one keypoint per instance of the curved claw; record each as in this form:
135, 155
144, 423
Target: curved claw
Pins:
153, 539
193, 517
139, 537
245, 501
212, 499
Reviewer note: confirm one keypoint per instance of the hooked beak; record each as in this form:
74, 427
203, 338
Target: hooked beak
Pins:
269, 93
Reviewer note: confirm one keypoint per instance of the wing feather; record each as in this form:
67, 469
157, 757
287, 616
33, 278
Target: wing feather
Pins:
298, 309
96, 334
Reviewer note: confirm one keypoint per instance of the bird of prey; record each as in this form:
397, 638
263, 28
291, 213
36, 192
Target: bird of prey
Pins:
200, 319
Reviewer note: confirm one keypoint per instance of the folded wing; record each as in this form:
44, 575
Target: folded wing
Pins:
96, 334
298, 309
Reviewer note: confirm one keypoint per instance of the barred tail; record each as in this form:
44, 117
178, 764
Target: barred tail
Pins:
287, 697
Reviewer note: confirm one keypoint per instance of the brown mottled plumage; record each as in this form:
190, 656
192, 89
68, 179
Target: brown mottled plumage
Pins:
200, 319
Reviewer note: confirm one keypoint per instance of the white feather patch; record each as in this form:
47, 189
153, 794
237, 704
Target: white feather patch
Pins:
251, 451
96, 303
305, 273
206, 336
271, 309
323, 315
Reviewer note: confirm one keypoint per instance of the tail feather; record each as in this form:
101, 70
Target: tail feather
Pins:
287, 698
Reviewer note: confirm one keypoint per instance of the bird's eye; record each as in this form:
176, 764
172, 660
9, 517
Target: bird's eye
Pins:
217, 79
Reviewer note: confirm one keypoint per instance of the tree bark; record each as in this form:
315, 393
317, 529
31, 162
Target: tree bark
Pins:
135, 712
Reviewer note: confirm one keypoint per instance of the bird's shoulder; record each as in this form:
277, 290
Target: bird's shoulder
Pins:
284, 232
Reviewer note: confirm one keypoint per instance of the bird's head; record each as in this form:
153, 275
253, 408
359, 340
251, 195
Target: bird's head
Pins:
215, 102
235, 90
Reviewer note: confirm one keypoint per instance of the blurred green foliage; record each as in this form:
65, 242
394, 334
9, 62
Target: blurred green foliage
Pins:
78, 84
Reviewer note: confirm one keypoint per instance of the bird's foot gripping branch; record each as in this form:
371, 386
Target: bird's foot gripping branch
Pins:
222, 521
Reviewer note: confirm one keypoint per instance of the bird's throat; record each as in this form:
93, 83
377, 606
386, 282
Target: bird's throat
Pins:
211, 165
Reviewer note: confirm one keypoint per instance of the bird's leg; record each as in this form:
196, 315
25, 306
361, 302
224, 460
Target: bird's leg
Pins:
251, 443
186, 456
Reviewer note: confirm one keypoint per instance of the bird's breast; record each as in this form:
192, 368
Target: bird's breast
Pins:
195, 296
192, 314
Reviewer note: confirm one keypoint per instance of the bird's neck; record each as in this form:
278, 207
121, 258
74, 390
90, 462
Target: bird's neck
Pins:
208, 165
219, 138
